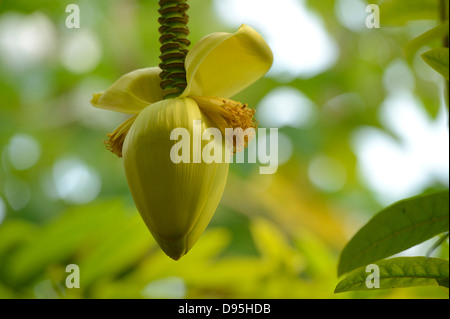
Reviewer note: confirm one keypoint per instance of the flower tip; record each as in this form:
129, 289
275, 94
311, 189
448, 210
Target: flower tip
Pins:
175, 249
255, 38
95, 98
176, 258
245, 28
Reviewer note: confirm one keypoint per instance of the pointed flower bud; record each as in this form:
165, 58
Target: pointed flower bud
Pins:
177, 199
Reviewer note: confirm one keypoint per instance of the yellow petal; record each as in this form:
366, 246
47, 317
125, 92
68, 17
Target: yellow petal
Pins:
222, 64
176, 201
132, 92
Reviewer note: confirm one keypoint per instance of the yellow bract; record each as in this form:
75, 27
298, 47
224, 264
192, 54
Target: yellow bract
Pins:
223, 64
177, 201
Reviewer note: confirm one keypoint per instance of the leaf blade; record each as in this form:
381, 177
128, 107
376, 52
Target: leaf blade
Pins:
399, 272
398, 227
425, 38
438, 59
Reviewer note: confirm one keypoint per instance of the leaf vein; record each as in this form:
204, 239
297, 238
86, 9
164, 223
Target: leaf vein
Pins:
393, 235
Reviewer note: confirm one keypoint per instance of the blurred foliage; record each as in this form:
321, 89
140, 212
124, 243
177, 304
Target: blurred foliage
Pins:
410, 221
273, 236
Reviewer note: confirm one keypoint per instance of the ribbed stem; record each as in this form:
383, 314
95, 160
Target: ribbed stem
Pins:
174, 46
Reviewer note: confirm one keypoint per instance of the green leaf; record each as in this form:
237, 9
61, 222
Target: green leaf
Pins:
398, 273
58, 240
399, 12
438, 59
415, 44
396, 228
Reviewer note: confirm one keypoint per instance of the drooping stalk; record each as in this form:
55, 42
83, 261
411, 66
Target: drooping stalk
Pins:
174, 46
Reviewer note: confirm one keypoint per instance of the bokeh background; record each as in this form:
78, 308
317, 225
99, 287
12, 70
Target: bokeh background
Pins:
360, 127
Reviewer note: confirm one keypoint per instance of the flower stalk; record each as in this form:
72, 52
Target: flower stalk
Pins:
174, 46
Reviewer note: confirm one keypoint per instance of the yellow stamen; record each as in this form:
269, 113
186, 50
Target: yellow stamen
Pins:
115, 140
226, 113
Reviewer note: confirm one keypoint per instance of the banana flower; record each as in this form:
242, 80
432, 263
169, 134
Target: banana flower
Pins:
177, 200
